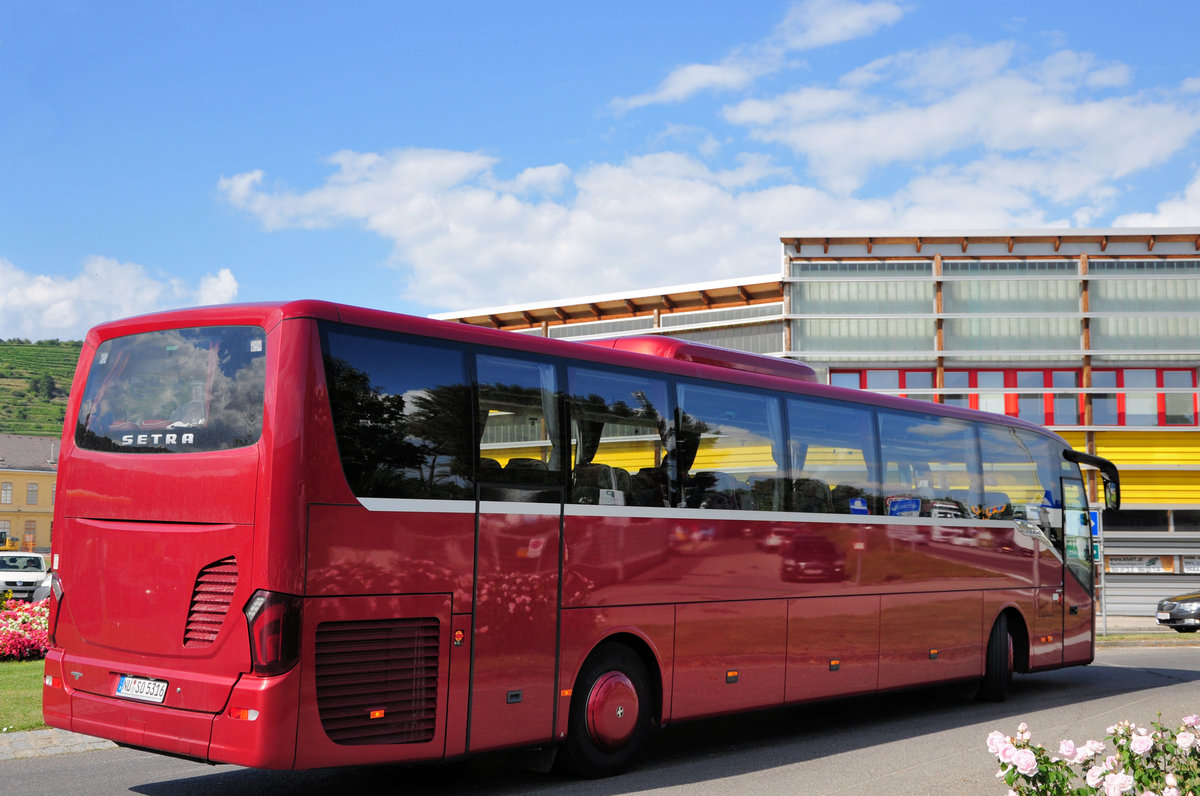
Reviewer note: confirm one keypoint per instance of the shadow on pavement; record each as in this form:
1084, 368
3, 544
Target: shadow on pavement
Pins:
722, 747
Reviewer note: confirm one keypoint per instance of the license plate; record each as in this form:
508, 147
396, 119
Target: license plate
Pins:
142, 688
1164, 614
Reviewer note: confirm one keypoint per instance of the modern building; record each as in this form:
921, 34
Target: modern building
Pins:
1093, 333
28, 468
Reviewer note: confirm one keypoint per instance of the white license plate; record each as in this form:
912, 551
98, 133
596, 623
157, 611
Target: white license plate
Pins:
1164, 614
142, 688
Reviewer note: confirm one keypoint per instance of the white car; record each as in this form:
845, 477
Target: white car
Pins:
24, 574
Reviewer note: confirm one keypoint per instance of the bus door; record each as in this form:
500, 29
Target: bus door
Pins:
1042, 534
517, 554
1077, 576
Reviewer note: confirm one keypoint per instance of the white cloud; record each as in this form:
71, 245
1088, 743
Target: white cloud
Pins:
1181, 210
807, 25
38, 306
820, 23
952, 102
652, 220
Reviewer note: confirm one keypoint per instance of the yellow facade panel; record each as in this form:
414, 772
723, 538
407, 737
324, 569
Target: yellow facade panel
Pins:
1148, 447
1164, 487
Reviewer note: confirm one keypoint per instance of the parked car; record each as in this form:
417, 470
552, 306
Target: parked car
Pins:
23, 574
1181, 613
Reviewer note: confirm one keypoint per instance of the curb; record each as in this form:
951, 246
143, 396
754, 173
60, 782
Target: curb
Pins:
46, 743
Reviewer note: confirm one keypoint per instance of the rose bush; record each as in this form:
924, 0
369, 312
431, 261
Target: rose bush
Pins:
24, 629
1154, 761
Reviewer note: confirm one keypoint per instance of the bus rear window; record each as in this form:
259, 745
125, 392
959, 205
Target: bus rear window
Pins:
175, 391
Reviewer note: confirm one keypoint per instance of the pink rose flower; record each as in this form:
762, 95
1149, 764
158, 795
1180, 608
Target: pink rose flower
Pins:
1185, 740
1118, 783
1025, 761
1095, 776
1141, 745
1067, 749
996, 741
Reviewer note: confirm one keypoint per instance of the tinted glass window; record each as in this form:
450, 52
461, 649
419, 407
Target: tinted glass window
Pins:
1012, 486
1077, 532
620, 432
931, 465
402, 413
520, 458
730, 449
175, 391
832, 458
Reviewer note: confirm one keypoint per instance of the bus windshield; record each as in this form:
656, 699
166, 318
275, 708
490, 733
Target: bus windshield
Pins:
176, 391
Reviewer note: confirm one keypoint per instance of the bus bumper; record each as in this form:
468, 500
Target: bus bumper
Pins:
256, 729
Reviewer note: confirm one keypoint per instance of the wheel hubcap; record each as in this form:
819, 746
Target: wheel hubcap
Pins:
612, 711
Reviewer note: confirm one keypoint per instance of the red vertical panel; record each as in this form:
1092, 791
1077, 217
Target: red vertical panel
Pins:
516, 629
728, 657
833, 647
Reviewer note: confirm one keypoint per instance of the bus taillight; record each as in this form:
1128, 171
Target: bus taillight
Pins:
273, 620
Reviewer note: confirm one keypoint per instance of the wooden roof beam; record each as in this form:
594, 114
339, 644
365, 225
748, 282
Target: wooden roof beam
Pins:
745, 294
595, 311
1150, 243
667, 303
706, 299
629, 305
529, 319
560, 314
494, 321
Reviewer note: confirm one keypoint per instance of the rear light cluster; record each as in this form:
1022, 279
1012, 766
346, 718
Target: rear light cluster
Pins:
273, 620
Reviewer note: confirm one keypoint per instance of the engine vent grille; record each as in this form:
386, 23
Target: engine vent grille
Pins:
377, 681
210, 602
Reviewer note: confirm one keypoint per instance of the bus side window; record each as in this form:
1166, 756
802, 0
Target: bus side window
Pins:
1012, 486
521, 429
932, 465
730, 448
832, 451
619, 437
401, 412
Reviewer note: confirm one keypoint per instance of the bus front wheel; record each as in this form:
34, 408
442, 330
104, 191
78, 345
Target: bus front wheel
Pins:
610, 713
998, 666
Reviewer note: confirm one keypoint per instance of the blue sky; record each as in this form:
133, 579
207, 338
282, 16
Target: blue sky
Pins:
424, 157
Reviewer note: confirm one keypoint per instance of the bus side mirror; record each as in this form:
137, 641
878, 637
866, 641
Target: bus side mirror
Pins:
1112, 494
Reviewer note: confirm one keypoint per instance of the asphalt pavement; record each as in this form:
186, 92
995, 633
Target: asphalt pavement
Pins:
44, 743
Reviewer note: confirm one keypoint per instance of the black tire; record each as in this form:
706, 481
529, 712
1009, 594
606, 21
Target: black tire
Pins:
603, 739
1186, 629
998, 666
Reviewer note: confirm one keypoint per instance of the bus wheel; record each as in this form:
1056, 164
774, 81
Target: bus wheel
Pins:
610, 713
998, 667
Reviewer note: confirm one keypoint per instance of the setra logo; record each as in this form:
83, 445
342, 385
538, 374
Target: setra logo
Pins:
158, 439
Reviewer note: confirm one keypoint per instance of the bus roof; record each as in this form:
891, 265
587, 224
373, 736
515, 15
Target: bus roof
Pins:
681, 357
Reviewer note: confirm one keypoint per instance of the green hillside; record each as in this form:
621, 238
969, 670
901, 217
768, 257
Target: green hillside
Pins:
34, 381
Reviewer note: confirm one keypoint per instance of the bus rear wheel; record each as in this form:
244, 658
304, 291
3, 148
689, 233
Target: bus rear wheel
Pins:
998, 666
610, 713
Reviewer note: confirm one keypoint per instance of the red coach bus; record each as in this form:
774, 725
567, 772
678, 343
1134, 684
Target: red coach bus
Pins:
304, 534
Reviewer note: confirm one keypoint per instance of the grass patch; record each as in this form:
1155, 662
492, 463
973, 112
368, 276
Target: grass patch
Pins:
21, 695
